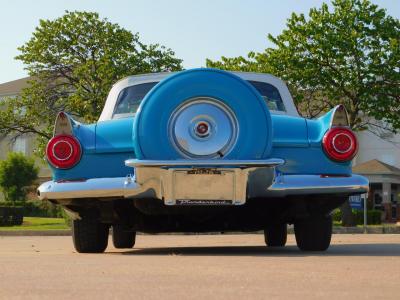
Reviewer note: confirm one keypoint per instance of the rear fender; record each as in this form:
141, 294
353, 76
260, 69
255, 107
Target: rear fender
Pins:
317, 128
114, 136
85, 133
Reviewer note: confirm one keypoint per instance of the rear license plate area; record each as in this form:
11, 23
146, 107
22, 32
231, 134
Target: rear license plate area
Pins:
203, 187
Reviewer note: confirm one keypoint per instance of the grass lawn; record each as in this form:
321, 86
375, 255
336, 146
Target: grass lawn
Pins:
31, 223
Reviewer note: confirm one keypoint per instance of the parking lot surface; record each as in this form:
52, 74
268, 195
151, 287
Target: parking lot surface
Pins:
200, 267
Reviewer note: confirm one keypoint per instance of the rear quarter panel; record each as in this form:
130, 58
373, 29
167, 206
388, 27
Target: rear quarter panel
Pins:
106, 145
298, 142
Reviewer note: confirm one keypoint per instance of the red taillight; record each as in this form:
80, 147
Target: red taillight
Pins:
340, 144
63, 151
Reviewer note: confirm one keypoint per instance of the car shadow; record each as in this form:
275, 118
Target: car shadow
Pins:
288, 251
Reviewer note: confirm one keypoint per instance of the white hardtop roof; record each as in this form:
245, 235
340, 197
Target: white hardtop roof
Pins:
154, 77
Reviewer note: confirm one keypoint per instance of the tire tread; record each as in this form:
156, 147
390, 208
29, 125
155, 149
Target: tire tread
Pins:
89, 235
121, 238
313, 234
276, 235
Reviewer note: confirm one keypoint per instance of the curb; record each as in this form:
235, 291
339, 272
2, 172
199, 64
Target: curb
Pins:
335, 230
370, 230
358, 230
36, 233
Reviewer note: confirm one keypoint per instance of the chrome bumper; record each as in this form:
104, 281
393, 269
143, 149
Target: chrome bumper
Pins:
172, 180
285, 185
204, 163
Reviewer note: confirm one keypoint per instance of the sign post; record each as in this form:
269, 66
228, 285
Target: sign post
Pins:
359, 202
365, 213
356, 202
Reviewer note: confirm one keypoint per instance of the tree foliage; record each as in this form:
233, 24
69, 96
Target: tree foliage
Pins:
17, 173
350, 55
73, 62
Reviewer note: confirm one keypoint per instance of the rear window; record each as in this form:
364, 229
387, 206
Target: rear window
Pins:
129, 98
270, 94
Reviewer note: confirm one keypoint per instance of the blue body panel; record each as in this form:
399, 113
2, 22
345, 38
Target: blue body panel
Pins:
114, 136
106, 145
317, 128
289, 131
97, 165
86, 134
311, 160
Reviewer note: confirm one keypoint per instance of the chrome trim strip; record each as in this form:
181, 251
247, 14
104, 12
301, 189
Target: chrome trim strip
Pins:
272, 162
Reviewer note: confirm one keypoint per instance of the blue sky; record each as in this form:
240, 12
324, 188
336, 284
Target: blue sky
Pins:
194, 29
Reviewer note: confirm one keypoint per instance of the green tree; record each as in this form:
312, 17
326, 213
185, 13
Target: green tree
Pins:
73, 62
17, 173
349, 55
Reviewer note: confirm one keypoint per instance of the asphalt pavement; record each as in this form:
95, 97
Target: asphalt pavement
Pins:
201, 267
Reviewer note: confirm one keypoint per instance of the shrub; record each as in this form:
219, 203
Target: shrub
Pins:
42, 209
17, 173
11, 215
373, 216
337, 215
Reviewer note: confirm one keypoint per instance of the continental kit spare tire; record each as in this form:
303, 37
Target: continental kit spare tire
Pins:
202, 114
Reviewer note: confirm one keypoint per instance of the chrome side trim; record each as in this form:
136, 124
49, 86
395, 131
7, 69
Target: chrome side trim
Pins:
285, 185
205, 163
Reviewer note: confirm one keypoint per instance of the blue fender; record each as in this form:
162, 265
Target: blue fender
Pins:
318, 127
150, 128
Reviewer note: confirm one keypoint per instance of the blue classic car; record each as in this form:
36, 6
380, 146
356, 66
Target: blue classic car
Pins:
197, 151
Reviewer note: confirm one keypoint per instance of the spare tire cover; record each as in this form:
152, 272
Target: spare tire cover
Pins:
202, 114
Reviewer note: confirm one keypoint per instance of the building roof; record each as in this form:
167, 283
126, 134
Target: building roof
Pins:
376, 167
14, 87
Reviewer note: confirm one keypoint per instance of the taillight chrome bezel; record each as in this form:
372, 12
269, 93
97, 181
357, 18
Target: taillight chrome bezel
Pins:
71, 160
53, 150
332, 151
336, 147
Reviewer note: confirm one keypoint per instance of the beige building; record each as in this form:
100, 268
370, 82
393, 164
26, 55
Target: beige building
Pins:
24, 144
379, 161
384, 187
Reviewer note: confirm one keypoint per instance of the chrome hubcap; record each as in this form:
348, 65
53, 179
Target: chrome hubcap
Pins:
203, 128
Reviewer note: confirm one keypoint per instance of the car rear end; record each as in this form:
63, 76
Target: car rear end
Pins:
204, 153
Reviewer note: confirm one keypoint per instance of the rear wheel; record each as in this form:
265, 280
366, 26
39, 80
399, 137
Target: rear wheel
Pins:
313, 234
275, 235
122, 238
89, 235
